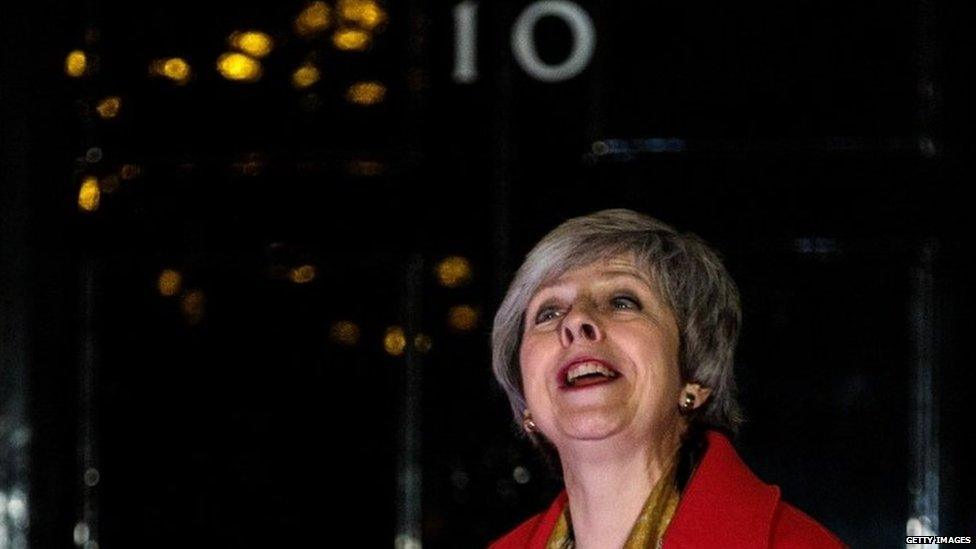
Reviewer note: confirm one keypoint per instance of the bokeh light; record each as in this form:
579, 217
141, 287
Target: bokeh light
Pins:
254, 43
314, 19
366, 14
169, 283
129, 172
89, 195
192, 305
239, 67
364, 168
423, 343
305, 75
94, 155
173, 68
366, 93
76, 63
453, 271
310, 102
394, 341
81, 534
351, 39
91, 477
109, 184
109, 107
302, 274
406, 541
250, 164
344, 332
462, 318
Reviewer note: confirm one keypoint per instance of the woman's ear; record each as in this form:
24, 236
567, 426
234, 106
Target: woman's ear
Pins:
693, 395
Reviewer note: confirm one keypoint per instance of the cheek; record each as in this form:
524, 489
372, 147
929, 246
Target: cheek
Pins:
534, 357
528, 360
657, 351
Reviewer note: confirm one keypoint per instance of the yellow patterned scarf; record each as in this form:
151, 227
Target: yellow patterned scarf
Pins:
650, 526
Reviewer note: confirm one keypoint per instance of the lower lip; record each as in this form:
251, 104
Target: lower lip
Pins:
589, 386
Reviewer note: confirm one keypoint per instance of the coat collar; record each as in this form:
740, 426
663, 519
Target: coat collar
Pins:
723, 505
723, 501
540, 536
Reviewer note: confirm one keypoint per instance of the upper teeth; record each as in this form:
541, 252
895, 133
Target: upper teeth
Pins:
584, 368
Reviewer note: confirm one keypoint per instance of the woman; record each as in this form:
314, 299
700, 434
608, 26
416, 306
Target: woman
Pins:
614, 345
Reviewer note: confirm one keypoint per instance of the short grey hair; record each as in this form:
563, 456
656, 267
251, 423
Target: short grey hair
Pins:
690, 278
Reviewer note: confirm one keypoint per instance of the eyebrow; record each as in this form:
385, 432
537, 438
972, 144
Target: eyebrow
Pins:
613, 273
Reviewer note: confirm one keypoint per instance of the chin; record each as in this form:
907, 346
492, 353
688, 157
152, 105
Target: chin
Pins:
591, 426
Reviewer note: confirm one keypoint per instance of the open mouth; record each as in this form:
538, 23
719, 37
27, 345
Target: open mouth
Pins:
583, 374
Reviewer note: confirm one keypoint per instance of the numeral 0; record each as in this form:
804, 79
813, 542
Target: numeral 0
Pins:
523, 40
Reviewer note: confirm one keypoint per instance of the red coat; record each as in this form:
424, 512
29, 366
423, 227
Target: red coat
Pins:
724, 505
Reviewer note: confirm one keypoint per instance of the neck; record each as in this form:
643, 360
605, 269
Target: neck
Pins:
608, 482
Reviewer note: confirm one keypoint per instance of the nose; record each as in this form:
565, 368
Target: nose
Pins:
580, 324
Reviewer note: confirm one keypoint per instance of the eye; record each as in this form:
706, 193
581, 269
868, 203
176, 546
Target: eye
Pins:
625, 302
546, 314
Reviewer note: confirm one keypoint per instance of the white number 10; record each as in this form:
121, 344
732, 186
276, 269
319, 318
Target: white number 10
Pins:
523, 40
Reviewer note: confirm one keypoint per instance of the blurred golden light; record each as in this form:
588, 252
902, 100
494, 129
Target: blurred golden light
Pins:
89, 195
239, 67
462, 318
453, 271
367, 14
174, 68
345, 333
130, 171
169, 283
422, 343
253, 43
109, 107
76, 63
351, 39
192, 306
302, 274
305, 75
313, 19
366, 93
394, 341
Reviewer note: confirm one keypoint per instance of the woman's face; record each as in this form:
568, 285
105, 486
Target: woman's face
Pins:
599, 356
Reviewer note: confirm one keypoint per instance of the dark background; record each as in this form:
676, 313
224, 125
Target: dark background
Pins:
822, 147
